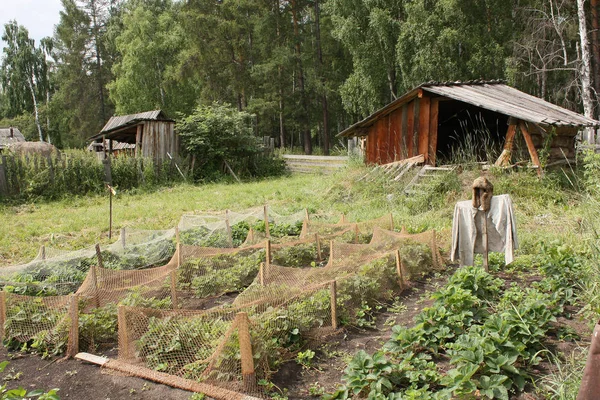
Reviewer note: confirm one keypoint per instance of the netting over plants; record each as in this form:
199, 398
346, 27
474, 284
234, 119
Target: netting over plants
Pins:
226, 314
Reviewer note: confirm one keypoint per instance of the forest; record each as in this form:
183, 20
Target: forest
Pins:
304, 69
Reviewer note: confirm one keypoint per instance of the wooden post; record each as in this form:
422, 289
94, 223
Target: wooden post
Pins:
2, 313
73, 344
399, 269
99, 256
261, 274
391, 222
306, 214
110, 196
532, 151
178, 247
267, 222
485, 242
229, 233
95, 277
43, 252
251, 235
319, 255
268, 257
333, 295
123, 240
434, 251
356, 233
506, 155
123, 334
247, 360
330, 252
173, 275
177, 234
343, 219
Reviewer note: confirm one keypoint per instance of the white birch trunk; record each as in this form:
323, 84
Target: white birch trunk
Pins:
35, 108
586, 79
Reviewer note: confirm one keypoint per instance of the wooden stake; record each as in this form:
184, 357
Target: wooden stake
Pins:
123, 240
179, 258
356, 233
43, 252
268, 257
267, 222
330, 252
177, 234
391, 222
174, 289
485, 242
229, 234
434, 251
306, 217
247, 360
319, 255
399, 269
99, 256
2, 314
73, 345
251, 235
261, 274
123, 334
95, 276
333, 295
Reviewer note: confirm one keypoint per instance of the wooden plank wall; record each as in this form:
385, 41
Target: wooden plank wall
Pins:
158, 139
407, 131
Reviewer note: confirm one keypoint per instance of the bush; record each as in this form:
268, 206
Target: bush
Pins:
219, 134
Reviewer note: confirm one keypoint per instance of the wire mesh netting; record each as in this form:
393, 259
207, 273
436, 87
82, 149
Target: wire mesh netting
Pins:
203, 303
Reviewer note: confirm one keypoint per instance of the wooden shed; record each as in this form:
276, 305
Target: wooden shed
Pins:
434, 118
152, 133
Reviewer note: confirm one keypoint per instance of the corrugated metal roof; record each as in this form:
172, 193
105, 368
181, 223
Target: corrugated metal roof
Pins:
7, 140
490, 95
118, 122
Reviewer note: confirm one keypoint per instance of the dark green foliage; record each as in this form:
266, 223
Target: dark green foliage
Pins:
219, 134
490, 337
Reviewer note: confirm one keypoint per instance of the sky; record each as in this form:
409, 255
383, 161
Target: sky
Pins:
38, 16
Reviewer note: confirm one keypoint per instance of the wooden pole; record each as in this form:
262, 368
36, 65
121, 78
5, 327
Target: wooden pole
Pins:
268, 257
2, 314
506, 155
123, 334
485, 242
109, 214
229, 233
177, 234
434, 251
391, 222
95, 277
399, 269
178, 247
247, 360
306, 214
43, 252
267, 222
318, 242
261, 274
251, 235
123, 239
330, 252
333, 296
530, 146
356, 233
73, 345
174, 303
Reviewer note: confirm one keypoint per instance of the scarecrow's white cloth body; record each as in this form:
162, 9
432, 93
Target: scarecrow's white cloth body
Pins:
467, 229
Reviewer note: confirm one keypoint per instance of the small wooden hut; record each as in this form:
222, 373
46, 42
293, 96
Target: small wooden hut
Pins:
433, 118
9, 136
152, 133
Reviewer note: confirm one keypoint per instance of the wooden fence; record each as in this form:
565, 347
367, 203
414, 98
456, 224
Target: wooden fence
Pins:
314, 164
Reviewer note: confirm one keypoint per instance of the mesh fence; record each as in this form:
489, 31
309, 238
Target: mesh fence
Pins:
293, 291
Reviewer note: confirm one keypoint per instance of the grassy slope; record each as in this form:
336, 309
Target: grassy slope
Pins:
80, 222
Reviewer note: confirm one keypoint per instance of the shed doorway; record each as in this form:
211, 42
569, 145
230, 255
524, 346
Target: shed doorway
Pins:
468, 133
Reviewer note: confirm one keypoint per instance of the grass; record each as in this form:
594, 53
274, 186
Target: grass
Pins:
551, 209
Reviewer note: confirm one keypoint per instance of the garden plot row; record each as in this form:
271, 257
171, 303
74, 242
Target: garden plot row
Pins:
145, 305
